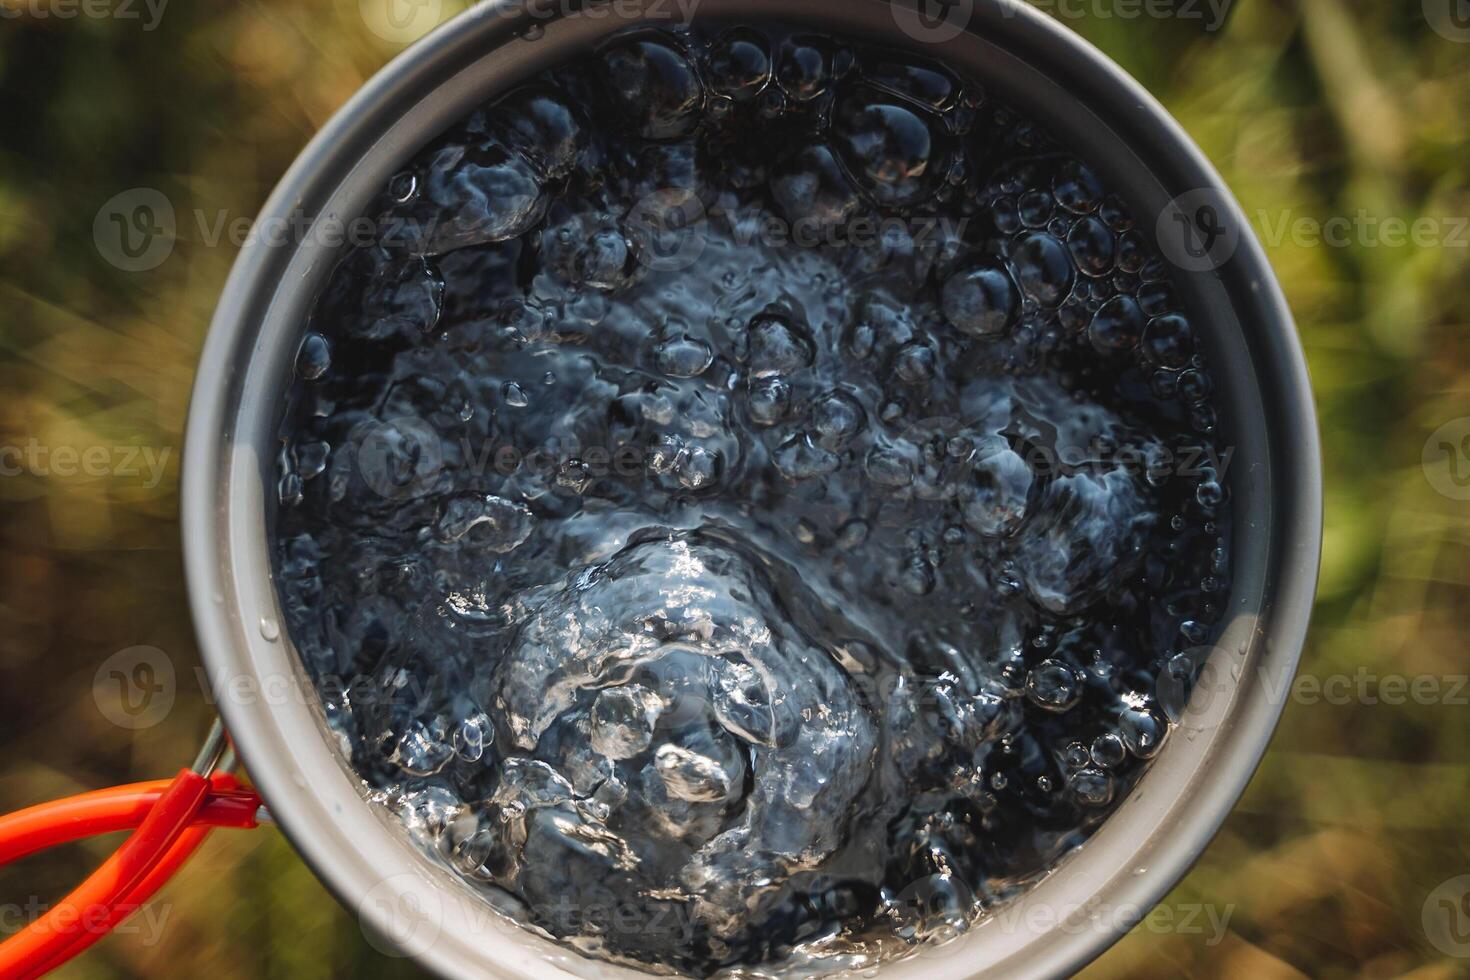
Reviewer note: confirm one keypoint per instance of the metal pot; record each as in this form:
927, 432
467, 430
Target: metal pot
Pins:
1264, 401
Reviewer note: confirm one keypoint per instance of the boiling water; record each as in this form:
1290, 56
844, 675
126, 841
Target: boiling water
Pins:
742, 506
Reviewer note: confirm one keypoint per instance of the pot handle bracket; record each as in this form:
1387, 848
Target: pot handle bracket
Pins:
170, 817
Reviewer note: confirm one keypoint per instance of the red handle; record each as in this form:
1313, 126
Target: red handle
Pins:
172, 818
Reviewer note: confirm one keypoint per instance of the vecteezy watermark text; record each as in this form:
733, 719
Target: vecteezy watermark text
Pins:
1363, 230
940, 21
1200, 230
146, 921
671, 230
1196, 687
1208, 920
1211, 13
149, 12
147, 463
404, 21
406, 457
137, 229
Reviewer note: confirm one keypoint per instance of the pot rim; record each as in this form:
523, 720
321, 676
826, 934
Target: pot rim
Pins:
369, 863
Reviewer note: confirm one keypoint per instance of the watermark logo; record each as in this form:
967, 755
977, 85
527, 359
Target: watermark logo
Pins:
401, 21
134, 688
400, 916
400, 459
1449, 18
135, 230
933, 21
1446, 459
1446, 917
1197, 231
668, 229
1194, 688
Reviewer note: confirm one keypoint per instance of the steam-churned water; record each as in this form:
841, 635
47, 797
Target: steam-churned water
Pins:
742, 508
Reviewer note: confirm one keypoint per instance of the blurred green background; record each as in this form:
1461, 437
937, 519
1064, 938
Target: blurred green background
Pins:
1312, 109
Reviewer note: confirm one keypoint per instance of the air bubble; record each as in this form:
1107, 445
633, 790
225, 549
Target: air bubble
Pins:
484, 521
852, 534
683, 357
915, 363
1091, 244
1092, 787
890, 148
473, 195
836, 417
980, 302
776, 345
888, 468
1156, 298
1042, 268
654, 87
929, 85
1007, 216
740, 64
1195, 386
1077, 188
996, 501
768, 401
1142, 732
798, 458
697, 468
1053, 685
313, 358
1108, 750
539, 122
1117, 326
515, 396
812, 189
1035, 209
804, 68
1168, 341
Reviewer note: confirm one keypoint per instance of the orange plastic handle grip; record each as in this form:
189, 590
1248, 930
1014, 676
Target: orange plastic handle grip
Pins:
172, 818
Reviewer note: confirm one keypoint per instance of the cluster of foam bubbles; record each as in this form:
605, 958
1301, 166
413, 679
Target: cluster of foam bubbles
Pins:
742, 508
